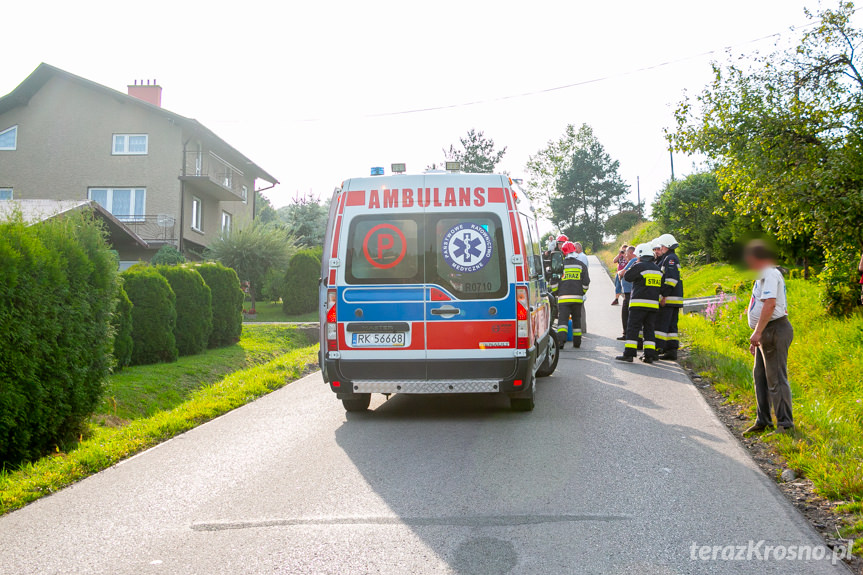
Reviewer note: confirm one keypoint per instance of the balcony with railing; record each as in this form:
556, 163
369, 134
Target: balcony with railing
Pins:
153, 229
209, 174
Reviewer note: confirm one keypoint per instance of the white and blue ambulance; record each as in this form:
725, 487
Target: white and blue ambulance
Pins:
434, 284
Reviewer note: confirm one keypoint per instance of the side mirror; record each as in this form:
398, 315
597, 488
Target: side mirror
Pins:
537, 266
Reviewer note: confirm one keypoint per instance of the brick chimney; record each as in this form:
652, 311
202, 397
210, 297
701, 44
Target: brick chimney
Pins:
150, 93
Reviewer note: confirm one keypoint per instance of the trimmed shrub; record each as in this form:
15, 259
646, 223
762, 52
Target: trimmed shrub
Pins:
227, 298
154, 315
194, 308
57, 291
301, 283
122, 324
167, 255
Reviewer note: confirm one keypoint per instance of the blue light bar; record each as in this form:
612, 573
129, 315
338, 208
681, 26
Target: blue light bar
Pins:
377, 171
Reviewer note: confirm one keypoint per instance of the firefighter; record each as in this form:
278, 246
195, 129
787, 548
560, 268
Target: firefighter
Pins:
671, 299
570, 295
646, 281
657, 251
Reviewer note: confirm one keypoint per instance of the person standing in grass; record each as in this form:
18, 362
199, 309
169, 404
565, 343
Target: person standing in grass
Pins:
771, 337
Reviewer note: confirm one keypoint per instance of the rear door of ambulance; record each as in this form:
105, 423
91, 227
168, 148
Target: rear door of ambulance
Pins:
470, 310
380, 274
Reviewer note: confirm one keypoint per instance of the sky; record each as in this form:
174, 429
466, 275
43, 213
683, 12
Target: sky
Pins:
308, 89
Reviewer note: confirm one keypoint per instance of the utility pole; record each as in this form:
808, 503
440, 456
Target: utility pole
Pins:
671, 155
638, 191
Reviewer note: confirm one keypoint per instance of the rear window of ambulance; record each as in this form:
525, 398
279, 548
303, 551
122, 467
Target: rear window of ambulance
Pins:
384, 249
468, 258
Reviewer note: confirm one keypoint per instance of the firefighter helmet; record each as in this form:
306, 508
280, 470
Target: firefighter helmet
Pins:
567, 248
668, 241
644, 250
562, 238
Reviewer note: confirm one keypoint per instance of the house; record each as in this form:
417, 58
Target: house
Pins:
167, 178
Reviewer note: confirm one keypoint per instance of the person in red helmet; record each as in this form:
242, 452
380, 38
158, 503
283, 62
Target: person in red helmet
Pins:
561, 239
570, 295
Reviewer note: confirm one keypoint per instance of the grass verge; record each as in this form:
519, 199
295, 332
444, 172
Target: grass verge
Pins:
108, 445
639, 233
268, 311
826, 372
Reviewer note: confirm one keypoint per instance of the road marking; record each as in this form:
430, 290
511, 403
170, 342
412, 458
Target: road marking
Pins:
452, 521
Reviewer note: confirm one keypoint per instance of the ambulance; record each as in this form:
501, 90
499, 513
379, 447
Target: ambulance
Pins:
434, 284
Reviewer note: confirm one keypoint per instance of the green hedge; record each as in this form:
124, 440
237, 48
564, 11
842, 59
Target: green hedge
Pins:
154, 315
57, 292
122, 324
167, 255
227, 300
194, 308
301, 283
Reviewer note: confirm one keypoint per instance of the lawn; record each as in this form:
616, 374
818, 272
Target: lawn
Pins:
155, 402
639, 233
141, 391
826, 372
270, 312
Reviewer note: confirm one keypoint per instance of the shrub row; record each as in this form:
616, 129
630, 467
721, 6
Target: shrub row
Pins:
57, 294
181, 310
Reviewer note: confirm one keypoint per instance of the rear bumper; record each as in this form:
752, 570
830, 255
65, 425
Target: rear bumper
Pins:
429, 377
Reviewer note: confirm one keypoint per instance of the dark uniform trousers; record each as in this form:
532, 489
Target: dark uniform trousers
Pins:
667, 338
641, 322
564, 312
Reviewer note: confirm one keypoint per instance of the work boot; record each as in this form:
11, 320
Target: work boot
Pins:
576, 341
781, 430
622, 338
648, 359
670, 355
561, 340
626, 358
755, 428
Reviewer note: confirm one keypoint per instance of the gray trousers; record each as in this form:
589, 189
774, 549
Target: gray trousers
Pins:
771, 374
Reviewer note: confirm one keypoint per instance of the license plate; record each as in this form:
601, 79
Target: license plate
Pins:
378, 340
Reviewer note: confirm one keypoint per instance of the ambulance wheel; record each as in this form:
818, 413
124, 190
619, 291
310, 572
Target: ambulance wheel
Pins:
359, 403
551, 358
524, 403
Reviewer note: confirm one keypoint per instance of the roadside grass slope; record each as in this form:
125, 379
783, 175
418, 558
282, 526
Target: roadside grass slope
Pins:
826, 373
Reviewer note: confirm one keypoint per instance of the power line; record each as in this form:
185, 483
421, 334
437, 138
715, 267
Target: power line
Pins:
574, 84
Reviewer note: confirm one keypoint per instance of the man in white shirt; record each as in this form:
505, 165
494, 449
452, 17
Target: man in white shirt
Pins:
579, 253
771, 337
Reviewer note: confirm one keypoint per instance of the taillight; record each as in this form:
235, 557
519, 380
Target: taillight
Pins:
522, 315
332, 326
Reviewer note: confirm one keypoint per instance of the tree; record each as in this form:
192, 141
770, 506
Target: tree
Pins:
167, 255
301, 283
477, 154
622, 221
306, 220
584, 185
252, 251
783, 135
264, 211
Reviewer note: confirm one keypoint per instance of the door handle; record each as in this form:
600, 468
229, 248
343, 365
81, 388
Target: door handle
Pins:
449, 310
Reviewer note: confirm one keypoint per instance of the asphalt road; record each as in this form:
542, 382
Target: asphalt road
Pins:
620, 469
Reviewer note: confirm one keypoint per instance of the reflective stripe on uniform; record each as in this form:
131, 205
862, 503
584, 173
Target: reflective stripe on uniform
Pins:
576, 332
649, 345
562, 329
672, 336
661, 335
632, 345
673, 300
570, 299
646, 303
671, 281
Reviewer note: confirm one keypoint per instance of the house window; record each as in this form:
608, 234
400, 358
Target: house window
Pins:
245, 194
196, 214
227, 220
126, 204
9, 138
5, 194
130, 144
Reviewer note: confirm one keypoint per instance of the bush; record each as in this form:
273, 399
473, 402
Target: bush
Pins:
273, 284
122, 325
301, 283
839, 277
227, 298
168, 255
154, 315
57, 294
194, 308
